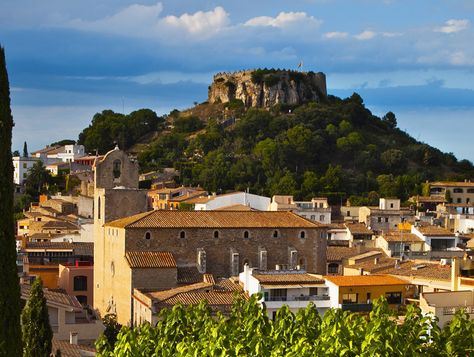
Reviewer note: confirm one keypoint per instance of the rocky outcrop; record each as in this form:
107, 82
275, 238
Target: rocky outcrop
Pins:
265, 88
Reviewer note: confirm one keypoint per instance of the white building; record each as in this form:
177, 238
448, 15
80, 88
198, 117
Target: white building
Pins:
243, 200
445, 304
294, 288
21, 165
316, 210
436, 238
69, 153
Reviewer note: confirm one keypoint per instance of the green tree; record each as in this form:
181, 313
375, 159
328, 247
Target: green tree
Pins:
10, 339
25, 149
36, 330
107, 339
37, 179
390, 120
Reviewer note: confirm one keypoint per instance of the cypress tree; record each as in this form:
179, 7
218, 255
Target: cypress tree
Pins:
25, 150
35, 327
10, 338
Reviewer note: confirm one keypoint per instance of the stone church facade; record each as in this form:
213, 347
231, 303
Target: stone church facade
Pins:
133, 247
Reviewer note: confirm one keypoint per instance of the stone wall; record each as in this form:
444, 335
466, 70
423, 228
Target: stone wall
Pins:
270, 88
311, 249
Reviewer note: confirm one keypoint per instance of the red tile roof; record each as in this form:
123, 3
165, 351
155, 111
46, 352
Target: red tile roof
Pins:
150, 260
277, 278
214, 219
365, 280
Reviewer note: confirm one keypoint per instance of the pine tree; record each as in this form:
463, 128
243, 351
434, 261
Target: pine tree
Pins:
35, 327
25, 150
10, 338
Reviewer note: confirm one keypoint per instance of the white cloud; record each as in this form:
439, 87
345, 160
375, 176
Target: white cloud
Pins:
200, 22
453, 25
336, 35
284, 19
145, 21
459, 58
365, 35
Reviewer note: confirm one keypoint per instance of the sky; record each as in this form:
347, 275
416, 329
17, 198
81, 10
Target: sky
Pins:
68, 60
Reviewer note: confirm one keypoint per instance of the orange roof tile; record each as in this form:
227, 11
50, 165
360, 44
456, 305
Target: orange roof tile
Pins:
435, 231
452, 184
365, 280
426, 270
401, 237
150, 260
278, 278
214, 219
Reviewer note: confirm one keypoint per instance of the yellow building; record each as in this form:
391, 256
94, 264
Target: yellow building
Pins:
356, 293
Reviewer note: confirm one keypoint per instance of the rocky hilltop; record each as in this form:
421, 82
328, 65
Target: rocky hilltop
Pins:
264, 88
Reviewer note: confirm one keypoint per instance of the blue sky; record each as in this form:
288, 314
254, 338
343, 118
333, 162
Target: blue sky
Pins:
68, 60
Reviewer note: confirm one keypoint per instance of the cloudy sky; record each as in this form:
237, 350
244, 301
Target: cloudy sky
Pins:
70, 59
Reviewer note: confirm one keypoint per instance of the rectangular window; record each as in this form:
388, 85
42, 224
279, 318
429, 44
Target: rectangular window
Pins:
313, 291
278, 294
394, 297
379, 219
349, 298
24, 165
386, 219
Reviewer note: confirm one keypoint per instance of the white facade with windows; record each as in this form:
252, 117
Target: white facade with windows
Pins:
293, 288
21, 165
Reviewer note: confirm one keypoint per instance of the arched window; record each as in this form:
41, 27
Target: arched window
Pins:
117, 169
80, 283
216, 234
182, 234
246, 234
275, 234
147, 235
302, 234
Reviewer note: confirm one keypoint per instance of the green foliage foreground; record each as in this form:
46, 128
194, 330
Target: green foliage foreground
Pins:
247, 331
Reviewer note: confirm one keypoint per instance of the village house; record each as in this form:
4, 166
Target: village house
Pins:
454, 192
293, 288
316, 210
68, 317
171, 198
445, 304
231, 201
356, 293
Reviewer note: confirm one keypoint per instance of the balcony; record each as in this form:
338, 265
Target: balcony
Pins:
298, 302
357, 307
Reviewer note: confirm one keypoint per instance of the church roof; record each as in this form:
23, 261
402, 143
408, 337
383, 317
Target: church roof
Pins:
214, 219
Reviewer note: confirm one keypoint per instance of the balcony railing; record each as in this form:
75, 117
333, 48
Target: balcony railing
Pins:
298, 298
357, 307
454, 309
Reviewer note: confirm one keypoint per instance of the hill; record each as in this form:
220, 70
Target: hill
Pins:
334, 147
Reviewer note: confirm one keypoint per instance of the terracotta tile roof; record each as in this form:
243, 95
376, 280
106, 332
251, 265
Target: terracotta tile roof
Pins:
187, 196
50, 245
401, 237
435, 231
338, 253
383, 262
214, 219
219, 296
84, 248
54, 297
452, 184
278, 278
47, 149
60, 225
358, 228
429, 199
188, 275
69, 350
365, 280
237, 207
150, 260
426, 270
217, 300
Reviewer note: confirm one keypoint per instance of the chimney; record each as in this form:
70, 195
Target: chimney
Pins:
455, 274
73, 338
